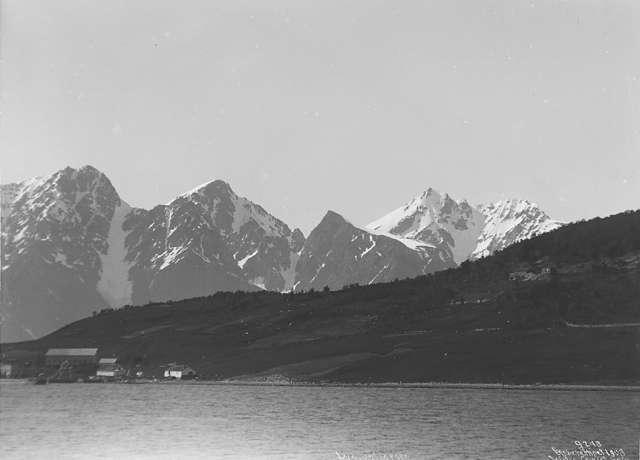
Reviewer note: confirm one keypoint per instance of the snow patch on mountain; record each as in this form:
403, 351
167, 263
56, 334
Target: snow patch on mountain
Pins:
289, 274
169, 256
465, 241
244, 260
258, 281
114, 284
378, 274
369, 248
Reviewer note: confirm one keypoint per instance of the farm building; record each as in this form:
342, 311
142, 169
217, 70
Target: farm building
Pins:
74, 356
19, 363
5, 370
179, 371
108, 368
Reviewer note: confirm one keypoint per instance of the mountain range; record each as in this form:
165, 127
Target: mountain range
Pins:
71, 246
559, 308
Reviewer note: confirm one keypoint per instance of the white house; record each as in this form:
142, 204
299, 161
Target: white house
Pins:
179, 371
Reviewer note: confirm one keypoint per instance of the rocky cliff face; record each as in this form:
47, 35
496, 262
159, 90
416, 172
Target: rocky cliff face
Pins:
337, 253
208, 240
55, 240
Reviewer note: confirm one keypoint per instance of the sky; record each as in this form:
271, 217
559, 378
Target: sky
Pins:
305, 106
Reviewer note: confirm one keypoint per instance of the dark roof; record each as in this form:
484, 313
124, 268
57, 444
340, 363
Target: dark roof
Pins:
179, 367
72, 352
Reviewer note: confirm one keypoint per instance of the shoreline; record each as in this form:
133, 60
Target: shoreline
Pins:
448, 385
398, 385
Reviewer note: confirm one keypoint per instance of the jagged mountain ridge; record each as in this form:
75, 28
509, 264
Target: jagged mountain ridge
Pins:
71, 246
207, 240
434, 219
429, 233
54, 242
461, 230
337, 253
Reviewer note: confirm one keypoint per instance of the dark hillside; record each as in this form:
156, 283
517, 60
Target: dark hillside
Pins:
559, 308
611, 236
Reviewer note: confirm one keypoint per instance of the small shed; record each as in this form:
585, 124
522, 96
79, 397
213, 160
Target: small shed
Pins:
179, 371
74, 356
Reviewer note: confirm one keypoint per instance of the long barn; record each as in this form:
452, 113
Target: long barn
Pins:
75, 356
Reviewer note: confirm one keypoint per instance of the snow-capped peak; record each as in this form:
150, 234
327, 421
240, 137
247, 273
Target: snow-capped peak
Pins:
467, 231
436, 219
71, 220
429, 197
215, 185
229, 211
509, 221
510, 206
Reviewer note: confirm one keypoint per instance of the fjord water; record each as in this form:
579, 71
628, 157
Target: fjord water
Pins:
224, 421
